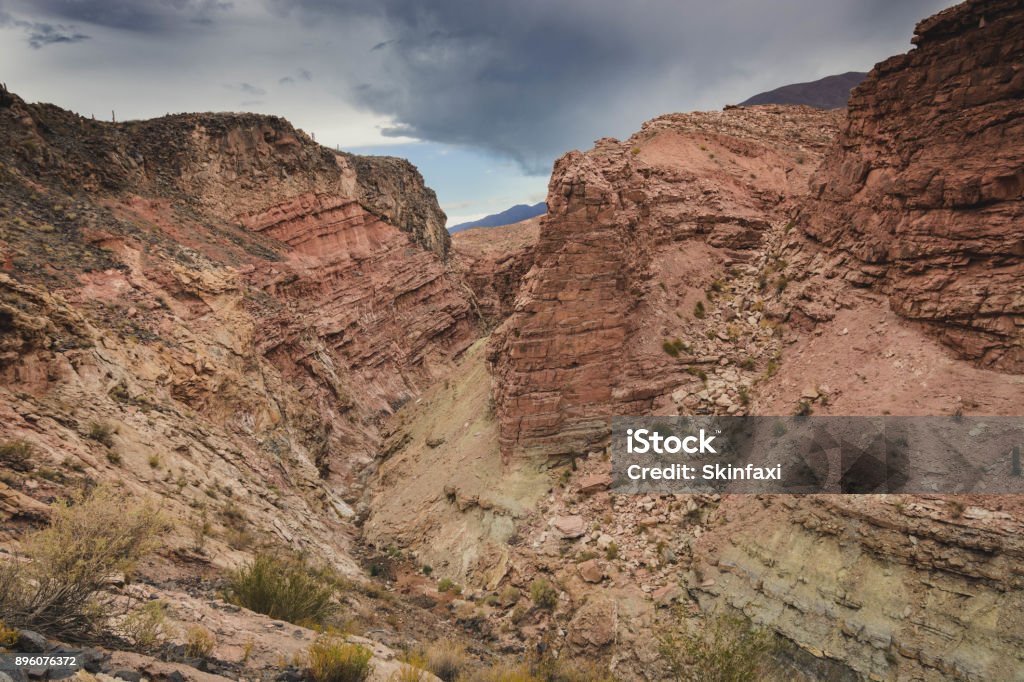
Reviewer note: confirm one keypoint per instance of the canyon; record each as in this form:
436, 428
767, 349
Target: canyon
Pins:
283, 346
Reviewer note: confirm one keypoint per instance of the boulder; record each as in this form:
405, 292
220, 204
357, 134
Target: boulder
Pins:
569, 527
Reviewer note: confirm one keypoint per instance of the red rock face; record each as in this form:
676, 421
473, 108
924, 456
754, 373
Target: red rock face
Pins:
631, 225
249, 281
493, 262
921, 196
381, 306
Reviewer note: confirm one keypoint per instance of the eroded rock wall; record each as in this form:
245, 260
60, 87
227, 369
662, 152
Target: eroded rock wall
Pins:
892, 587
234, 308
633, 229
921, 196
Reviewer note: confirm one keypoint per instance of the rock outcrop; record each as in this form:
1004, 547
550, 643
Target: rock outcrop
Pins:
215, 310
890, 587
635, 232
922, 195
493, 262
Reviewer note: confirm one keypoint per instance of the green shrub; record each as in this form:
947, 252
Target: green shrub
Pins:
697, 372
543, 594
285, 589
728, 649
698, 310
16, 454
199, 642
332, 659
101, 432
147, 626
670, 349
61, 589
611, 552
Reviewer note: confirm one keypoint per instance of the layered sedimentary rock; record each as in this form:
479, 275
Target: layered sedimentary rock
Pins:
889, 587
493, 262
215, 310
921, 196
635, 230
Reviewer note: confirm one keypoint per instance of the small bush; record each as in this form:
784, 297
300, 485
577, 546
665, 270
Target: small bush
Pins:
729, 649
61, 589
16, 455
510, 595
519, 615
543, 594
447, 660
670, 349
698, 310
285, 589
611, 552
199, 642
447, 585
697, 372
101, 432
8, 636
146, 627
332, 659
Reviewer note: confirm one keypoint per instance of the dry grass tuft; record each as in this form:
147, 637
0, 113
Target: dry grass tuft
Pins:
60, 588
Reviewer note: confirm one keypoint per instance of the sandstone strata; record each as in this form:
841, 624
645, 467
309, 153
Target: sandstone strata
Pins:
892, 588
493, 262
921, 195
635, 232
239, 305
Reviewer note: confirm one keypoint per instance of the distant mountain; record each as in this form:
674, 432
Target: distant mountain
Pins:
513, 215
830, 92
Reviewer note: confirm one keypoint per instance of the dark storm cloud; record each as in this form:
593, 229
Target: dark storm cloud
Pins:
529, 78
40, 34
525, 79
134, 15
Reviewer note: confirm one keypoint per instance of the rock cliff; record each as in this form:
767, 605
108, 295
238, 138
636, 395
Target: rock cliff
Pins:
921, 195
636, 231
213, 309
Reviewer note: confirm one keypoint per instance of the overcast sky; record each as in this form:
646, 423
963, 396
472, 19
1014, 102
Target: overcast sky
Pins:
482, 95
